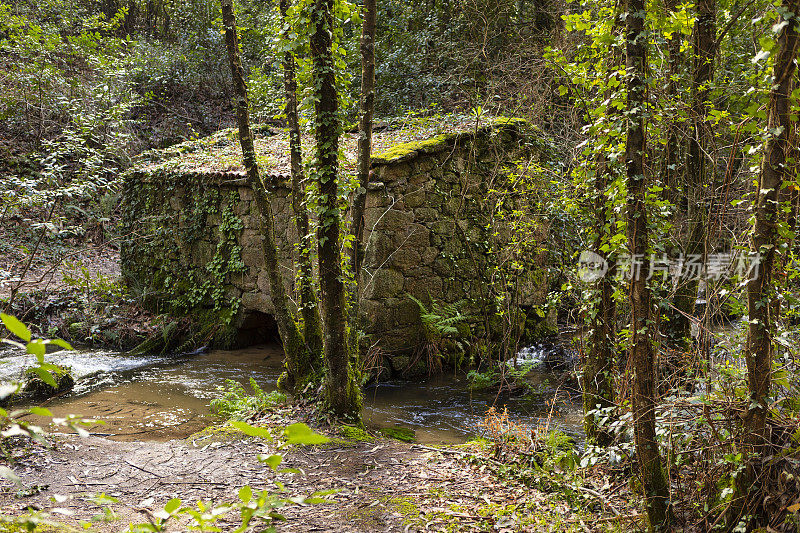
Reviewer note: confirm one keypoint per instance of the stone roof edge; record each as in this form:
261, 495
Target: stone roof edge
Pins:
409, 151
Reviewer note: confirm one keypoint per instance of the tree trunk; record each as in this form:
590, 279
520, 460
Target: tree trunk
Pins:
342, 391
675, 328
760, 292
672, 149
641, 351
364, 160
298, 361
765, 237
309, 308
698, 173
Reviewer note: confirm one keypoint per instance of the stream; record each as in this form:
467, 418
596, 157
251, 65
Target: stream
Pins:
163, 398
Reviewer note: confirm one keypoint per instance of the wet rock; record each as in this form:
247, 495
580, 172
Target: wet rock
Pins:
36, 389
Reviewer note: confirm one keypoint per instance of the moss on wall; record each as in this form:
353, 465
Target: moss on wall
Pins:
432, 232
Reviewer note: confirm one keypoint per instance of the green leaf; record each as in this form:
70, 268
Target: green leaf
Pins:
273, 460
36, 347
59, 342
16, 327
300, 433
10, 475
6, 390
251, 431
46, 376
172, 505
40, 411
246, 494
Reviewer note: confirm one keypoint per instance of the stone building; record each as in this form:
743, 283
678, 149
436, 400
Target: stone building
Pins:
439, 206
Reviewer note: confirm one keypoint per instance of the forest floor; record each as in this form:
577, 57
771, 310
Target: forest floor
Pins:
381, 485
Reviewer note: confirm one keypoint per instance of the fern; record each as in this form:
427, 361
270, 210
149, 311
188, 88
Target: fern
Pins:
441, 320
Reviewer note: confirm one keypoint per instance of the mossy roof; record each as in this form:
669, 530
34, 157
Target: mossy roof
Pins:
395, 141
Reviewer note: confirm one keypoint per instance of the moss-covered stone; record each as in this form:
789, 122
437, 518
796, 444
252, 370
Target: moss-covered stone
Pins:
36, 389
354, 433
401, 434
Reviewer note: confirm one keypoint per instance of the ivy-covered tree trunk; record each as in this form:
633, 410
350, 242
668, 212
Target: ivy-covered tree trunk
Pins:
342, 390
309, 308
765, 237
656, 490
367, 105
699, 172
298, 360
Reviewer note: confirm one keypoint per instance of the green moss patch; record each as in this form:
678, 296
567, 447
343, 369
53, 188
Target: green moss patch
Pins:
398, 433
355, 434
36, 389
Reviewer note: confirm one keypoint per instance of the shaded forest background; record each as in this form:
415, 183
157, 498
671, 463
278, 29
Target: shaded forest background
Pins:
660, 128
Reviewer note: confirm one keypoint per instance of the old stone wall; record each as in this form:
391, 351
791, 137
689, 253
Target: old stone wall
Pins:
194, 242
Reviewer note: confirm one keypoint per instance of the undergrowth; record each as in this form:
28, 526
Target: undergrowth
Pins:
236, 403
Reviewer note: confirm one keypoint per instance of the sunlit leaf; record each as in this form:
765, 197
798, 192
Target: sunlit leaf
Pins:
7, 389
16, 327
62, 343
300, 433
251, 431
36, 347
172, 505
46, 376
272, 460
9, 474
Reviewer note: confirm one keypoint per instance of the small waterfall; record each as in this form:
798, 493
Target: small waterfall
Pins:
550, 355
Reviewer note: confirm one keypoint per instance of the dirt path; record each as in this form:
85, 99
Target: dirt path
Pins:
383, 485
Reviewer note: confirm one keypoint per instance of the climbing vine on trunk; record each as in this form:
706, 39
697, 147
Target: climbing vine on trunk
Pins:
656, 489
299, 362
342, 391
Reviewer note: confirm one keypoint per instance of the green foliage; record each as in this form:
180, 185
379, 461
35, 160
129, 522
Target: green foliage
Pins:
355, 433
399, 433
446, 330
300, 433
255, 508
12, 423
236, 403
94, 285
441, 320
456, 53
70, 66
483, 380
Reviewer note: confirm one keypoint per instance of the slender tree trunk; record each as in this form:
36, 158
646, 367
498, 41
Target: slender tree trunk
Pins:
343, 393
672, 150
367, 105
309, 308
676, 326
765, 237
641, 352
698, 170
760, 291
298, 361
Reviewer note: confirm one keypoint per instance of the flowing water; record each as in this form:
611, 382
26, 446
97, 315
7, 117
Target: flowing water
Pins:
161, 398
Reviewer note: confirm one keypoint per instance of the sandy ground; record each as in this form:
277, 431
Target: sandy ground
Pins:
382, 485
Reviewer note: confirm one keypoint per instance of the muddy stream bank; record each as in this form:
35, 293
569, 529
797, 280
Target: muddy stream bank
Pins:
163, 398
